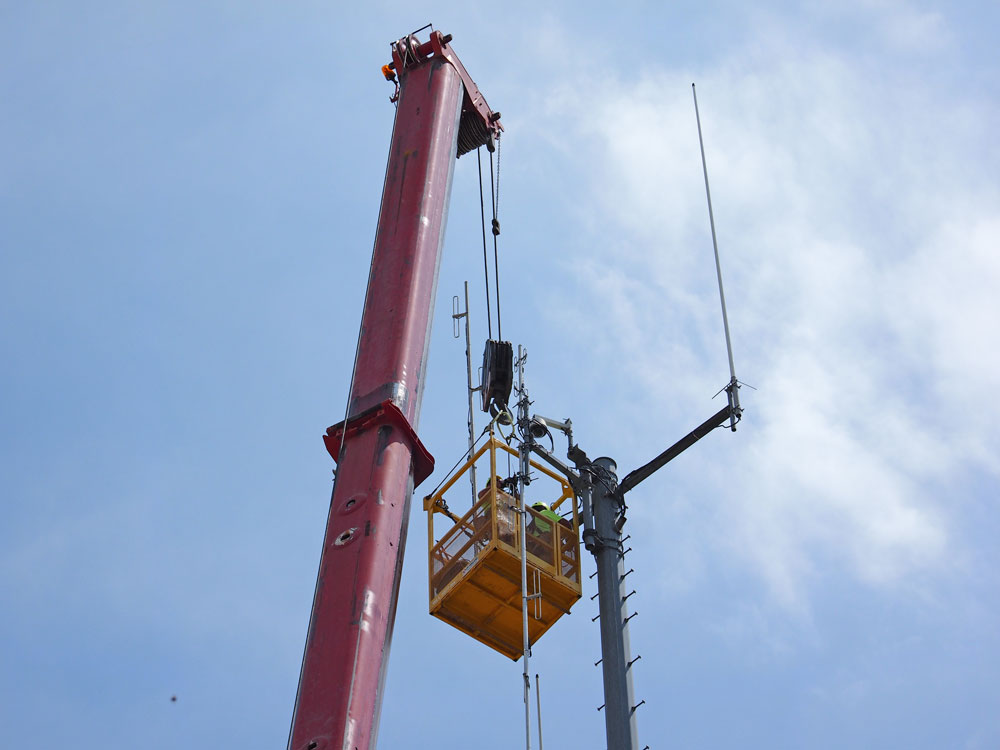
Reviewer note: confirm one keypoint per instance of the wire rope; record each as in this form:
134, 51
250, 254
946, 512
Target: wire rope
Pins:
464, 457
494, 197
470, 450
343, 433
486, 265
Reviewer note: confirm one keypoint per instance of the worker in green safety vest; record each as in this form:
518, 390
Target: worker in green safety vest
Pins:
545, 515
540, 529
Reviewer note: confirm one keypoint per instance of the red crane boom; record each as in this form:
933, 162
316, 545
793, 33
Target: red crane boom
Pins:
440, 115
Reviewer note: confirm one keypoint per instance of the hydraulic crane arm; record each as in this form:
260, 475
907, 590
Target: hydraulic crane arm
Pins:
440, 115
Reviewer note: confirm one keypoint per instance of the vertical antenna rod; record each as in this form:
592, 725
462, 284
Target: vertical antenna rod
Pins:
715, 243
468, 371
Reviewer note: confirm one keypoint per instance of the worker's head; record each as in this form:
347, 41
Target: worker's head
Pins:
539, 506
493, 481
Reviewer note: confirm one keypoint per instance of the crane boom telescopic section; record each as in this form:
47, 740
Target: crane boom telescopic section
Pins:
440, 115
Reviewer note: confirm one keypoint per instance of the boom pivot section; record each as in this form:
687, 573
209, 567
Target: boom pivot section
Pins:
439, 115
479, 125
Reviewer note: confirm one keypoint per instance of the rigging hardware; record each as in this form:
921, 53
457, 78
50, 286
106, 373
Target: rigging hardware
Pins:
495, 200
498, 376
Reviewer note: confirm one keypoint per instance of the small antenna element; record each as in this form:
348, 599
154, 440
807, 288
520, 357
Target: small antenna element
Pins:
733, 388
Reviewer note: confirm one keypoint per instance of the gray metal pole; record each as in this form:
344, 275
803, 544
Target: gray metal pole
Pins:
608, 548
627, 652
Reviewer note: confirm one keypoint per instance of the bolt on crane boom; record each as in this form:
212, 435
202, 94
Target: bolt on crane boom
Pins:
440, 115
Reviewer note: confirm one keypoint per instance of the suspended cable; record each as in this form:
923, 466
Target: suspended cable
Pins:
496, 203
464, 457
368, 289
343, 432
494, 196
486, 265
469, 451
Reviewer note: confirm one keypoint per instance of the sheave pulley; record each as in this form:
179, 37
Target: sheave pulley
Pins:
498, 376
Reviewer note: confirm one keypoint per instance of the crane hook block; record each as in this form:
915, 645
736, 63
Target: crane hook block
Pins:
498, 375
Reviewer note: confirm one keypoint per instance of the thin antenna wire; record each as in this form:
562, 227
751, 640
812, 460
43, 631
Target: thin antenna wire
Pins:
715, 243
343, 432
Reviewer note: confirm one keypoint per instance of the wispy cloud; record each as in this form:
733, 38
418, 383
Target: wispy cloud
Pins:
858, 232
900, 24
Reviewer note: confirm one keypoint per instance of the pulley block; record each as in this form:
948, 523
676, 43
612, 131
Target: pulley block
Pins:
498, 376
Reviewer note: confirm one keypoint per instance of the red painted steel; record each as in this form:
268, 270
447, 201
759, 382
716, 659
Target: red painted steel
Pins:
386, 412
350, 630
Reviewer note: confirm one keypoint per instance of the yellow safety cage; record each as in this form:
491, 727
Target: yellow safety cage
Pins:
475, 567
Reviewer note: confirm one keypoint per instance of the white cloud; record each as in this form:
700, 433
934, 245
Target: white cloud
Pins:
858, 233
907, 27
896, 25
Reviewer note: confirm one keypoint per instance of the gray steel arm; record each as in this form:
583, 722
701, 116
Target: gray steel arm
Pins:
643, 472
555, 463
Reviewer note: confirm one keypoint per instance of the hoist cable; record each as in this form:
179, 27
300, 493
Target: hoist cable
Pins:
464, 457
494, 195
496, 199
486, 265
343, 433
472, 449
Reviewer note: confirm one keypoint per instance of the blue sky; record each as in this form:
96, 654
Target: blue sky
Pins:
188, 197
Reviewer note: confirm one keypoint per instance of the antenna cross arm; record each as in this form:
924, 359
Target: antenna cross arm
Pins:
555, 463
643, 472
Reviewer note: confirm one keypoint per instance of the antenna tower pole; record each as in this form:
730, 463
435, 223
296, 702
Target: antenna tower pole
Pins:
606, 546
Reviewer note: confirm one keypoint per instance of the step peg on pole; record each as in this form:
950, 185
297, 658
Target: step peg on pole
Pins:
598, 661
636, 706
625, 598
629, 665
601, 706
625, 621
630, 570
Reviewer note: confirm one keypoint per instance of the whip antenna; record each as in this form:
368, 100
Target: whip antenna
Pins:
733, 388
